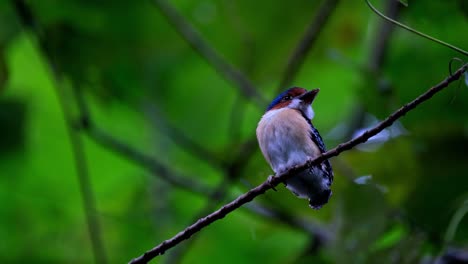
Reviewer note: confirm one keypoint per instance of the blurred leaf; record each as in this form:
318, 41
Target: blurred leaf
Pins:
455, 222
390, 238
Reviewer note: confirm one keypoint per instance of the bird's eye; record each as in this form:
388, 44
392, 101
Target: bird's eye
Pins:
287, 97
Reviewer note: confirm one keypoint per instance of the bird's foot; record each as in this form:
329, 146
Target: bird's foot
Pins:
269, 180
309, 160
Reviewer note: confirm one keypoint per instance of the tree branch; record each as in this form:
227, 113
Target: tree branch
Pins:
228, 71
303, 47
102, 138
157, 168
28, 20
412, 30
265, 186
181, 138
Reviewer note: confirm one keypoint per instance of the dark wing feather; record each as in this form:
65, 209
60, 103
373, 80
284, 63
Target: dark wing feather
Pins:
317, 139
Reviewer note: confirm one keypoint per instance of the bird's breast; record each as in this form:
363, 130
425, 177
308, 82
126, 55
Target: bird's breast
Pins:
284, 138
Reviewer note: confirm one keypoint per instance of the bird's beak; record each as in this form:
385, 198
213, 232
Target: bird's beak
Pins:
309, 96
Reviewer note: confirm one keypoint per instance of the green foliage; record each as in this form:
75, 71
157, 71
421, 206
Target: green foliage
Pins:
139, 76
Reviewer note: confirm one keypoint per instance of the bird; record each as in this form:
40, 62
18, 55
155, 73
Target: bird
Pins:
288, 138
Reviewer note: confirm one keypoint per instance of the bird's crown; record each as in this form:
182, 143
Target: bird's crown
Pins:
286, 97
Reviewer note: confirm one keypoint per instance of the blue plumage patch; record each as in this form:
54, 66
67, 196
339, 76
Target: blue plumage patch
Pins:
278, 99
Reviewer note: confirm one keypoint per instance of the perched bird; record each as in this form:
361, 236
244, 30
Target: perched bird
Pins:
287, 138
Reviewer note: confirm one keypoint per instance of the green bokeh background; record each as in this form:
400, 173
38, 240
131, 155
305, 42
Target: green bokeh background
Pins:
141, 81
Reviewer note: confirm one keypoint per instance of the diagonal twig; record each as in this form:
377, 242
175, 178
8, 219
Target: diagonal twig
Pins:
274, 181
191, 35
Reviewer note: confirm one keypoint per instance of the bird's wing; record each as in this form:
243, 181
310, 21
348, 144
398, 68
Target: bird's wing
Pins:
317, 139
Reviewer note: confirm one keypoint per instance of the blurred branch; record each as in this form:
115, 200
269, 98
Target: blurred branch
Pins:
274, 181
464, 52
89, 201
317, 232
236, 117
29, 21
373, 69
249, 147
379, 45
304, 46
185, 182
215, 195
181, 139
228, 71
107, 141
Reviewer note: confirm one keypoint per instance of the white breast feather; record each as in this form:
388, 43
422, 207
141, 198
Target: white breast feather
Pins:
284, 138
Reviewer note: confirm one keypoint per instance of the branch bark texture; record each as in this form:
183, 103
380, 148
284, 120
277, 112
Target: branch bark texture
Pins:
274, 181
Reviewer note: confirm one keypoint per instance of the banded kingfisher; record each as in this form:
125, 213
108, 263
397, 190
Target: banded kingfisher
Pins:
288, 138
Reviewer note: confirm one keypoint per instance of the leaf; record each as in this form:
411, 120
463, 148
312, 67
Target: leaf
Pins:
390, 238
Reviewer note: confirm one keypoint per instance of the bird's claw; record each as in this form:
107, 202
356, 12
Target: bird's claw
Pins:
269, 180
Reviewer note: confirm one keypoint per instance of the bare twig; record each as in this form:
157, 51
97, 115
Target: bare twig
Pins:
304, 46
186, 182
262, 188
208, 53
214, 198
29, 21
412, 30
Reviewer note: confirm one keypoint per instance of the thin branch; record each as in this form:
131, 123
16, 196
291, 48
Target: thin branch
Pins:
89, 201
109, 142
214, 198
185, 182
193, 37
305, 45
274, 181
180, 138
464, 52
380, 42
249, 147
29, 21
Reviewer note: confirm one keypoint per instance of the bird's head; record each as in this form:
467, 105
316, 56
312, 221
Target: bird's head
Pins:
295, 98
